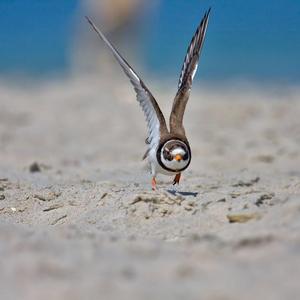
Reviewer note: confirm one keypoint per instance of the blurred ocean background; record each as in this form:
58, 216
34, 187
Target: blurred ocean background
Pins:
256, 41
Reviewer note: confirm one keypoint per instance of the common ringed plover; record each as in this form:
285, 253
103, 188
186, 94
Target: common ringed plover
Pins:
168, 150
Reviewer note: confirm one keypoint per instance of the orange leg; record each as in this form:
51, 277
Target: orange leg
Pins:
177, 179
153, 183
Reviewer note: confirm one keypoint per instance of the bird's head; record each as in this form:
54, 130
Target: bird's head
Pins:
175, 155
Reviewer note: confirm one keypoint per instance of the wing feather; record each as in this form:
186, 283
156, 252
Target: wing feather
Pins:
188, 71
155, 120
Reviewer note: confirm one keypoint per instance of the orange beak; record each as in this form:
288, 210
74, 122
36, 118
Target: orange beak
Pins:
178, 157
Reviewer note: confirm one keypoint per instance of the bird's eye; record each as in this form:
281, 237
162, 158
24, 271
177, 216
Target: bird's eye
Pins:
167, 155
185, 156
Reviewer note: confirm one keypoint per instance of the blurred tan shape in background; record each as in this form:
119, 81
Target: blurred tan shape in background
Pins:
119, 20
114, 14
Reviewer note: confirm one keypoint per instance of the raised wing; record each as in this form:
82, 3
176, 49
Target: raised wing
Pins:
188, 72
154, 117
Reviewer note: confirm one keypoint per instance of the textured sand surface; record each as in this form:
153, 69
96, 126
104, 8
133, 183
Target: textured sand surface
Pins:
87, 226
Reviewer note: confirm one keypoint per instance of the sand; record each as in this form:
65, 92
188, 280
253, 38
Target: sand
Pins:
78, 219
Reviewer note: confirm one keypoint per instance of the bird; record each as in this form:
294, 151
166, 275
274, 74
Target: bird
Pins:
168, 151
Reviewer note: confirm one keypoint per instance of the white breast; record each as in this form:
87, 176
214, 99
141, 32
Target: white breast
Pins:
154, 166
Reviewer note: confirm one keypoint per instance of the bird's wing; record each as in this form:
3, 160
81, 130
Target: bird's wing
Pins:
154, 117
188, 72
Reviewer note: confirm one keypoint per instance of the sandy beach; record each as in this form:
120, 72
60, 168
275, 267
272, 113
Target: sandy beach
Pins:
78, 219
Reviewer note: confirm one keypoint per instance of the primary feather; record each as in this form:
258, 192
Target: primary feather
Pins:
191, 59
154, 117
187, 74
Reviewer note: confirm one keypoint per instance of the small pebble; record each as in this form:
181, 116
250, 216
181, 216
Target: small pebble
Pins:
34, 167
242, 218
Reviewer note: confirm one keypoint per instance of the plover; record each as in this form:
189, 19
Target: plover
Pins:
168, 150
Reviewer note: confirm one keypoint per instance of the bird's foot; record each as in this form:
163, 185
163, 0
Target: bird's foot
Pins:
177, 179
153, 183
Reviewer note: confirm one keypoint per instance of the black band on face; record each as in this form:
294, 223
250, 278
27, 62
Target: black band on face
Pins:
158, 153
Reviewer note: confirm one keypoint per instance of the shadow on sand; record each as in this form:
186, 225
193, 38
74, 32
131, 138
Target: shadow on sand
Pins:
186, 194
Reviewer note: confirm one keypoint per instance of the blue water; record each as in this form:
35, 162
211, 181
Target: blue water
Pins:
35, 36
257, 40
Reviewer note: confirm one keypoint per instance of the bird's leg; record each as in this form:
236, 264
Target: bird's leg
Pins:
176, 179
153, 183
